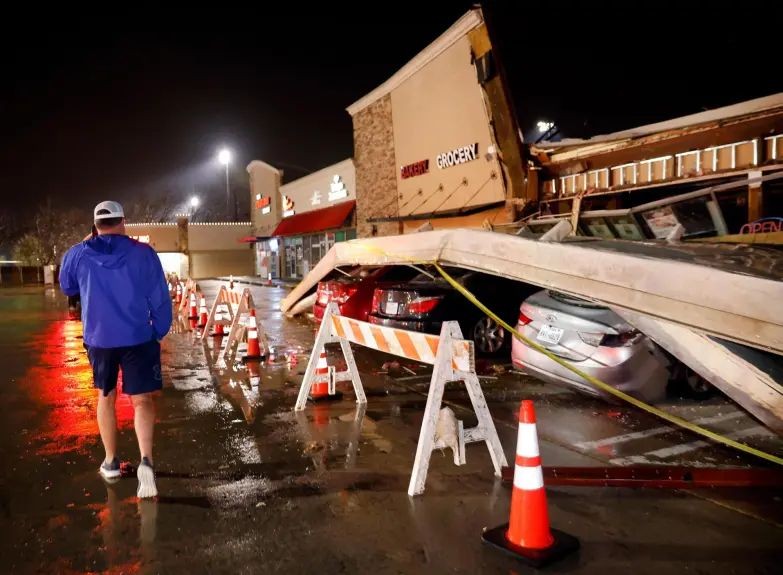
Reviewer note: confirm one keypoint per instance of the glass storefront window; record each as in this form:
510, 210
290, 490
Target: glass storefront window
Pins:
696, 217
302, 253
293, 257
661, 221
598, 228
626, 227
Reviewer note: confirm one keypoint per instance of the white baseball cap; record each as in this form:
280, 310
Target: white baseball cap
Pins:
108, 209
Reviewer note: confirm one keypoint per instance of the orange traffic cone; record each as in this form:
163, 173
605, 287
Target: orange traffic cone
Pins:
218, 331
193, 306
254, 372
527, 534
253, 347
321, 415
203, 313
319, 391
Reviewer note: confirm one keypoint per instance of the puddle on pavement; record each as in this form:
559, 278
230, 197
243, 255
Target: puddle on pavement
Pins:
231, 443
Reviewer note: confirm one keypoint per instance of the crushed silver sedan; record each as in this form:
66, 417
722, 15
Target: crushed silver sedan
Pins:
592, 338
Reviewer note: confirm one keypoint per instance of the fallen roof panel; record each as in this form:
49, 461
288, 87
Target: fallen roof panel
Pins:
732, 292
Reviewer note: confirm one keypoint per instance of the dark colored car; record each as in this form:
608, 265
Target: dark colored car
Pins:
353, 292
425, 302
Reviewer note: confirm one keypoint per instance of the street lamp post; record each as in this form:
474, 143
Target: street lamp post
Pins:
224, 157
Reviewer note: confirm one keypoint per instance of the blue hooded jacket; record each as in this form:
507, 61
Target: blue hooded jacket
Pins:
125, 298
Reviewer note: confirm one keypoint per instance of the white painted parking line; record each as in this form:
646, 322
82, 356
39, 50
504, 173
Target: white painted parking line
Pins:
587, 445
674, 450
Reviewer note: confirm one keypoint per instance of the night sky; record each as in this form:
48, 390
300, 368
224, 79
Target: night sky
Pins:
96, 106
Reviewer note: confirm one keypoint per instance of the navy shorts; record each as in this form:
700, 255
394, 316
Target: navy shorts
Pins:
140, 366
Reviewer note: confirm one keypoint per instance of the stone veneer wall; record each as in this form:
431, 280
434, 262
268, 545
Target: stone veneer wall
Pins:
376, 169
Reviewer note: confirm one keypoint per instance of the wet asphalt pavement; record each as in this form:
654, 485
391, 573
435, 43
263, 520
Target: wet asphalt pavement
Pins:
247, 486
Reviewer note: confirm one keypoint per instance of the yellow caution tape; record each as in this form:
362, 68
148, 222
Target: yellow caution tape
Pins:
684, 423
604, 386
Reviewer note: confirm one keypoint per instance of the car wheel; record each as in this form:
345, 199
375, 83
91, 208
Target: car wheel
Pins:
489, 336
699, 387
690, 383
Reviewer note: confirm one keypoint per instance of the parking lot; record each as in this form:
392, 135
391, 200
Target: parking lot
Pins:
247, 485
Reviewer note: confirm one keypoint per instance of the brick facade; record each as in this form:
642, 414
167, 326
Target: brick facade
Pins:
376, 169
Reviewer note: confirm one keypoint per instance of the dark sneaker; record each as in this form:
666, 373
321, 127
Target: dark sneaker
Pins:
146, 475
110, 469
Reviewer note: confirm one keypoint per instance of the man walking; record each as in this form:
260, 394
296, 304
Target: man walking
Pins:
126, 311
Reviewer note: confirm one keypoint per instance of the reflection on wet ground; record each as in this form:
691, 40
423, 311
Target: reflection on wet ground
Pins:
247, 485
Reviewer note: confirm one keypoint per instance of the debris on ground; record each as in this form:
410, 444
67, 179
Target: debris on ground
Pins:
313, 447
390, 366
447, 432
498, 369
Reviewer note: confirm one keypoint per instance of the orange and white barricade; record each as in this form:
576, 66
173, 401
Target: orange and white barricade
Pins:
239, 313
203, 314
453, 359
193, 305
190, 287
221, 313
235, 298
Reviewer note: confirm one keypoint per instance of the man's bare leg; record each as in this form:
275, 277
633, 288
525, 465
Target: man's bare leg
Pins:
144, 422
107, 423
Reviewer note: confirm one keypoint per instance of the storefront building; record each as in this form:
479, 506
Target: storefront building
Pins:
295, 224
434, 145
716, 173
198, 250
437, 146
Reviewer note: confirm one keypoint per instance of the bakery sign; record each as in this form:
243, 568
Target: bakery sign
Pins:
457, 156
415, 169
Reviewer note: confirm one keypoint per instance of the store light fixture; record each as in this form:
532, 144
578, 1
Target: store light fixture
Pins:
544, 126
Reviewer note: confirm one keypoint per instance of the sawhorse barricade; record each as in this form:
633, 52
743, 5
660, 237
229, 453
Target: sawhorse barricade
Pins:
226, 305
452, 359
237, 305
189, 287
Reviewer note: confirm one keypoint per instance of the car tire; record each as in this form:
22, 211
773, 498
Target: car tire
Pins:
688, 383
489, 337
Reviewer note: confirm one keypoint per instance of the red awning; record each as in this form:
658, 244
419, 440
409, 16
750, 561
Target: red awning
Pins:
248, 240
318, 220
